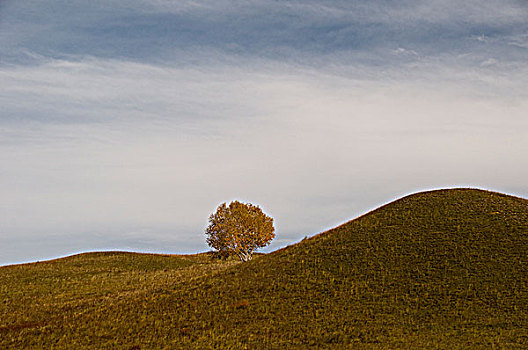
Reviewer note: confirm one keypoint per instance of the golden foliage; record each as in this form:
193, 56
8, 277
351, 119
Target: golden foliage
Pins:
239, 228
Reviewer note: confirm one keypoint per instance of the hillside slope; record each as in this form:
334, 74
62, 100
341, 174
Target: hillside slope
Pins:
444, 269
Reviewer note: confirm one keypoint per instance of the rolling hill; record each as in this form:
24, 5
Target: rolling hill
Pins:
439, 269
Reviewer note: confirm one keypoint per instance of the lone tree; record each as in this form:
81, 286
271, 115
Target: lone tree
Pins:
239, 228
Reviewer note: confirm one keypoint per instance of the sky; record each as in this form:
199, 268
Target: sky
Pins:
124, 124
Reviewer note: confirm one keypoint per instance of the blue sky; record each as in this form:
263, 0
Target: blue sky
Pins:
123, 124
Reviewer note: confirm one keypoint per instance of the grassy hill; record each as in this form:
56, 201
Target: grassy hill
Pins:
441, 269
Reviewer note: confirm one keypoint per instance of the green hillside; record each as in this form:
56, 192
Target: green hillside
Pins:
441, 269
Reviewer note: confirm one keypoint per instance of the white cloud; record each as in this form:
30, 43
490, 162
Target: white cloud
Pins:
519, 40
488, 11
304, 31
118, 147
125, 119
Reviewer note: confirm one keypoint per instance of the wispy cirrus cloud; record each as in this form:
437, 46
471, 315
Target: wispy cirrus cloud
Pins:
162, 30
123, 124
121, 147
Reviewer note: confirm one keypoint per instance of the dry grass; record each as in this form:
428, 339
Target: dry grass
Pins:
444, 269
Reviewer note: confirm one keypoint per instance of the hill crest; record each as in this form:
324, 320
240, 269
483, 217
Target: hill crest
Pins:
436, 269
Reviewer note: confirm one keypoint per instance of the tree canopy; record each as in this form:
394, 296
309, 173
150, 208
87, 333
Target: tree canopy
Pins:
239, 228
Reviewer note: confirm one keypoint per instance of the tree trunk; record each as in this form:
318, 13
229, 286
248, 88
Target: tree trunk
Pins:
245, 256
